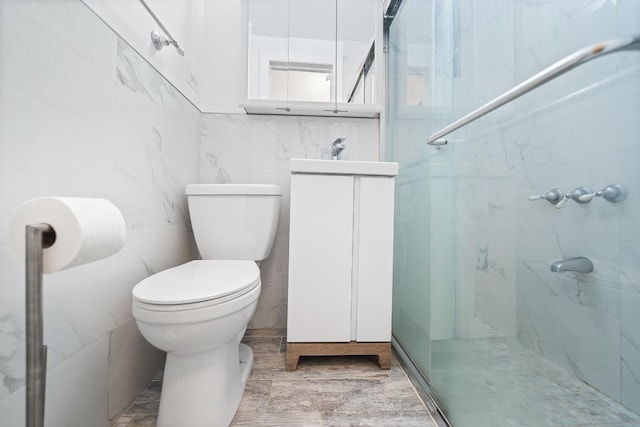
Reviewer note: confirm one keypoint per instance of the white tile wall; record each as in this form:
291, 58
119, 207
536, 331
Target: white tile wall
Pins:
257, 149
81, 114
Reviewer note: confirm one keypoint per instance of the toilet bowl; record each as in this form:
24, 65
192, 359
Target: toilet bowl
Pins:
198, 312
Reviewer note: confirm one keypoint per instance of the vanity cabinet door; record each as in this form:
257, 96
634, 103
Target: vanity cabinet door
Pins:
320, 258
374, 244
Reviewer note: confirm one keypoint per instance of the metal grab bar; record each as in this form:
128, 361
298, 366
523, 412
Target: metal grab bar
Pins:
549, 73
159, 41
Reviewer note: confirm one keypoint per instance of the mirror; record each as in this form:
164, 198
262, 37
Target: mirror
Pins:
311, 50
356, 51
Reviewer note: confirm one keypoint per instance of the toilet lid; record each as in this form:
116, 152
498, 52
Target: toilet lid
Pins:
198, 281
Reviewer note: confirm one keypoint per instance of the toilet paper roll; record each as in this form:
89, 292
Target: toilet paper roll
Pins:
86, 230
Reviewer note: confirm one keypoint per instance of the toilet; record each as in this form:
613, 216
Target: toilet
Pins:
198, 312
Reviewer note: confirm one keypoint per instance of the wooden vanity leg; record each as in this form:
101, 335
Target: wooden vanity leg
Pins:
382, 350
292, 358
384, 357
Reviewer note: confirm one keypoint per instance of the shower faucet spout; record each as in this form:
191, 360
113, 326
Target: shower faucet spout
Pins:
578, 264
337, 147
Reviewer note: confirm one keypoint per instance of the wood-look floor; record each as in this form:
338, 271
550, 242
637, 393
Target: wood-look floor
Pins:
323, 391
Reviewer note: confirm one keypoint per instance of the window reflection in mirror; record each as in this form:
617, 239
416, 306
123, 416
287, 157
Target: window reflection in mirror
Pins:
294, 54
300, 82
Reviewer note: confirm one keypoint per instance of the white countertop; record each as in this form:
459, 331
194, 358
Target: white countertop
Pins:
343, 167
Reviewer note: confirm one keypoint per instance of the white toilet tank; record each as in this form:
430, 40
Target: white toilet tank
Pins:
234, 221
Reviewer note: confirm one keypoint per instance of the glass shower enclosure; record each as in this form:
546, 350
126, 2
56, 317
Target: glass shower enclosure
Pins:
501, 339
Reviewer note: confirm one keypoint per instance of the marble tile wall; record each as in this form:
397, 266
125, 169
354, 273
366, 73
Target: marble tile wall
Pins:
580, 129
577, 320
81, 114
257, 149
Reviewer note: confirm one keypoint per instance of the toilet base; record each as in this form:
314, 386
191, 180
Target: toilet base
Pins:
204, 389
246, 363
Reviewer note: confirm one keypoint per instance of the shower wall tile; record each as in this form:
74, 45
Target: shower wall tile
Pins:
548, 31
580, 129
442, 251
628, 149
82, 115
257, 149
471, 88
570, 318
630, 261
630, 320
557, 143
630, 352
495, 302
584, 341
419, 321
471, 255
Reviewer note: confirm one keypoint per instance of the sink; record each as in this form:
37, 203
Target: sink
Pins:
343, 167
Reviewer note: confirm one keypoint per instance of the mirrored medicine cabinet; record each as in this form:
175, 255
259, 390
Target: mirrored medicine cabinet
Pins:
314, 57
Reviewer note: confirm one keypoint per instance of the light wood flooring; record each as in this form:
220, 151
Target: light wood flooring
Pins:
323, 391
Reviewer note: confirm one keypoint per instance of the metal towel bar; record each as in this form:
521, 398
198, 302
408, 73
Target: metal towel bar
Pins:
38, 237
159, 41
549, 73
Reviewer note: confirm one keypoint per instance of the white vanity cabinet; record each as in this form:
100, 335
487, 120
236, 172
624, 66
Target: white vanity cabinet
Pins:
340, 258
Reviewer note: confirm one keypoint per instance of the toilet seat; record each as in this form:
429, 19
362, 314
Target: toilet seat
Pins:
196, 284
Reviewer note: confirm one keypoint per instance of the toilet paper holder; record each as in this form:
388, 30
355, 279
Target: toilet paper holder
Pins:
93, 229
38, 237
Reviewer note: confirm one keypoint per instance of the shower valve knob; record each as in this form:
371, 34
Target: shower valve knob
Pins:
613, 193
587, 197
579, 195
553, 196
563, 201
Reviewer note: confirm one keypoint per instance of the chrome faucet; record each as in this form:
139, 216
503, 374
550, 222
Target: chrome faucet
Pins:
578, 264
337, 147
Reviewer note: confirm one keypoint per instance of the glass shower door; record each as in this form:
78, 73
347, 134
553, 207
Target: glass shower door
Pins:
501, 339
423, 253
